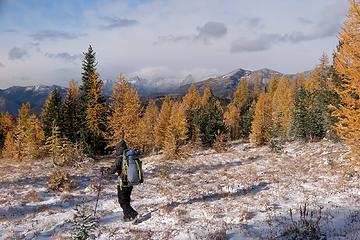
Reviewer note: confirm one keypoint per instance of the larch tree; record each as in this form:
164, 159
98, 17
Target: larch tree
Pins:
282, 108
257, 87
273, 83
163, 122
72, 112
147, 127
261, 129
232, 121
126, 109
242, 100
176, 131
207, 94
6, 125
191, 104
96, 115
51, 112
241, 94
26, 138
347, 65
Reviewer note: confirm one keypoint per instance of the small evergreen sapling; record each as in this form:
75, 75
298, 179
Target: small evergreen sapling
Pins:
84, 223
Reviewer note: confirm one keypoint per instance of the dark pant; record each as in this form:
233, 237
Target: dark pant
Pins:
124, 200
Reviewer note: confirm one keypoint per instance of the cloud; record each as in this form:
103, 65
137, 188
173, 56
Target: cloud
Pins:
10, 30
64, 56
327, 26
210, 30
114, 22
263, 42
2, 65
305, 21
17, 53
54, 35
253, 23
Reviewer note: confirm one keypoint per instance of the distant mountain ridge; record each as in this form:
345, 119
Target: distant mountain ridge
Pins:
222, 86
12, 98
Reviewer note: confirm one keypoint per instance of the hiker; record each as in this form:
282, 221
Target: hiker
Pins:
123, 192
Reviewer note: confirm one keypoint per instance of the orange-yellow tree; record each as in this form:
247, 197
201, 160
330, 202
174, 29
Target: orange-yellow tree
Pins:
126, 109
176, 131
262, 123
282, 108
347, 65
147, 127
163, 122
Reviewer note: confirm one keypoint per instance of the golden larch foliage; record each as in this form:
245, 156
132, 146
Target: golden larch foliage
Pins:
24, 141
96, 110
176, 131
273, 83
257, 86
192, 100
147, 126
282, 108
319, 76
241, 93
347, 65
297, 83
262, 123
163, 122
231, 120
206, 95
126, 110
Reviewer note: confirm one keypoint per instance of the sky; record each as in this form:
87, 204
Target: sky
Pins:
42, 41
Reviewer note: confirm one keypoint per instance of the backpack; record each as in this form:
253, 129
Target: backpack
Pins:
131, 169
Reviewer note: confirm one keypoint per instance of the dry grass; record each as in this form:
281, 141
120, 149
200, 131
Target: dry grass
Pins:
32, 197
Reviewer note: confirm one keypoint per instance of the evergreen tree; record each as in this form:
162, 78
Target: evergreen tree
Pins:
209, 119
163, 122
147, 127
84, 223
191, 104
72, 113
89, 68
308, 122
261, 129
52, 112
347, 65
126, 110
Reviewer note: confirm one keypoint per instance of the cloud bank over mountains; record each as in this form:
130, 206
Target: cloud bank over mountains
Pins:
158, 38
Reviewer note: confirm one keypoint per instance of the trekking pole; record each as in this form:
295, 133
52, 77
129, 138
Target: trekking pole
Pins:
99, 189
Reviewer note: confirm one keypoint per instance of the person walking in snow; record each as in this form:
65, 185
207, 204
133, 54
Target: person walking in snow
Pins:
123, 191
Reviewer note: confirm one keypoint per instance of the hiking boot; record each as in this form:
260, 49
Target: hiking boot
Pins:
129, 219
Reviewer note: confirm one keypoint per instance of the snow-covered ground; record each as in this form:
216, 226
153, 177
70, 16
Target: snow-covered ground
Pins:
243, 193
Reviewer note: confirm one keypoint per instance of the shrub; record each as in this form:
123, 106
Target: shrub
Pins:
60, 181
